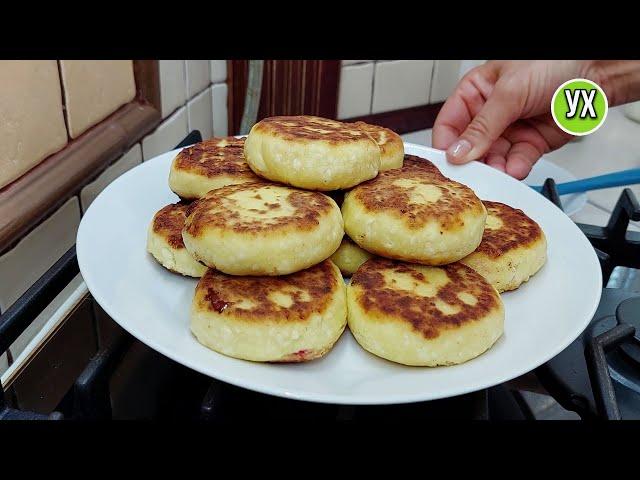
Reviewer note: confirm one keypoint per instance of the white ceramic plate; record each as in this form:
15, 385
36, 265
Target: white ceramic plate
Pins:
542, 317
544, 169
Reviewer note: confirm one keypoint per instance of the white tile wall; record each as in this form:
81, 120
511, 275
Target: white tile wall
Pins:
219, 100
129, 160
166, 136
198, 76
21, 266
401, 84
444, 79
354, 94
200, 114
172, 85
218, 71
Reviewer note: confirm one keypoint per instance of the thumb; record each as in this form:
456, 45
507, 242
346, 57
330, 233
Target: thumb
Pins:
501, 109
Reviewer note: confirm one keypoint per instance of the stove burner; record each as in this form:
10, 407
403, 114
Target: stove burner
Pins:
629, 312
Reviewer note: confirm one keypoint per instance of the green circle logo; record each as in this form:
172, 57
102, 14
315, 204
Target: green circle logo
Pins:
579, 106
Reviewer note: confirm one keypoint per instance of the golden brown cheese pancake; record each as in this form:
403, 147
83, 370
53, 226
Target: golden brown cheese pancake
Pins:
349, 256
263, 229
419, 315
208, 165
164, 241
416, 214
292, 318
390, 143
312, 152
513, 248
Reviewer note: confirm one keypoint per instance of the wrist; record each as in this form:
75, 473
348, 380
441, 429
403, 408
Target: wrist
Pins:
620, 79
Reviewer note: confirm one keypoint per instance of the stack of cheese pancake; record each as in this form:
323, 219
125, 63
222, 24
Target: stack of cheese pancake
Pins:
273, 222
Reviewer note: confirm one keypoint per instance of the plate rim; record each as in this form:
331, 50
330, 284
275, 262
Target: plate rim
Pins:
265, 387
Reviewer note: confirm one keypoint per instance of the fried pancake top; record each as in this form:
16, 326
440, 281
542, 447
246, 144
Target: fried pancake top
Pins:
216, 157
257, 208
169, 221
430, 299
288, 298
309, 128
506, 229
385, 138
418, 193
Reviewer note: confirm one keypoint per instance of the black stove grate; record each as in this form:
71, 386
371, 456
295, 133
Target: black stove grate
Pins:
579, 378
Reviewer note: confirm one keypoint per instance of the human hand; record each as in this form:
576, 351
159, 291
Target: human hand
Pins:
500, 113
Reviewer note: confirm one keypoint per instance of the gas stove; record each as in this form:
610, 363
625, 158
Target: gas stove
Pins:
598, 376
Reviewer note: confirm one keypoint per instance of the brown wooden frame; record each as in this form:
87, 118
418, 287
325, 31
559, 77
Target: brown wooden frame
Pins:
28, 200
289, 87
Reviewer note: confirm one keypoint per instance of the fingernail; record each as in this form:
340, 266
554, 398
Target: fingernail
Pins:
458, 150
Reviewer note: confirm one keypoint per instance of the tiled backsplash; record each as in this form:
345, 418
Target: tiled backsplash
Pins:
198, 76
401, 84
376, 86
200, 113
31, 108
167, 135
93, 89
354, 93
219, 93
193, 96
173, 85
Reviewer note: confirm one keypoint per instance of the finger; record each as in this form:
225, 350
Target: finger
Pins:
496, 161
553, 136
443, 136
450, 122
496, 156
531, 139
461, 106
502, 108
521, 158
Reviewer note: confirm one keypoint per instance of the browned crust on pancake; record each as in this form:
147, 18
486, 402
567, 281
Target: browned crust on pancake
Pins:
517, 230
168, 222
222, 293
381, 195
216, 157
421, 312
310, 128
385, 138
216, 210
